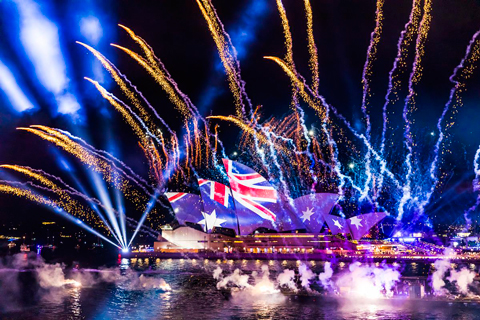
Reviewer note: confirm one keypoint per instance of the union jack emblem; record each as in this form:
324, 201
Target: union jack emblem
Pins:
216, 190
174, 196
250, 189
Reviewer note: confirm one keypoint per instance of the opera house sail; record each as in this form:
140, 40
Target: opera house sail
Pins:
251, 205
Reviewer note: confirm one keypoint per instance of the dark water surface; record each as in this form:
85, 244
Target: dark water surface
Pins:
194, 296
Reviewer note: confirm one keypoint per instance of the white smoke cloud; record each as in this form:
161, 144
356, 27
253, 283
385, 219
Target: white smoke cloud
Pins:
14, 93
305, 275
286, 279
50, 275
359, 282
367, 282
217, 273
142, 282
441, 268
264, 285
325, 276
91, 29
250, 289
235, 279
67, 104
127, 280
461, 279
40, 39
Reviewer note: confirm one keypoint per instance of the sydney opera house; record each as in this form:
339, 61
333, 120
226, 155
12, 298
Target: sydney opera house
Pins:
251, 216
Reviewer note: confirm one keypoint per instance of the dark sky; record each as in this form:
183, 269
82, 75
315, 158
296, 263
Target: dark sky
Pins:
178, 33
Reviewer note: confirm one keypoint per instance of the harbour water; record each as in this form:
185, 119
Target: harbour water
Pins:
189, 291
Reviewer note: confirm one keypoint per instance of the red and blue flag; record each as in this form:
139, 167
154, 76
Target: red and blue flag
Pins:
187, 207
252, 195
218, 205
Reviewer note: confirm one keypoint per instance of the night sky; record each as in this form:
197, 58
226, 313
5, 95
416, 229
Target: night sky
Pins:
179, 35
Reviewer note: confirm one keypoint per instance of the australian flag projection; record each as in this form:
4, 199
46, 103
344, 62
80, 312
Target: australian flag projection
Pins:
187, 207
357, 226
337, 224
252, 194
251, 203
361, 224
312, 209
219, 210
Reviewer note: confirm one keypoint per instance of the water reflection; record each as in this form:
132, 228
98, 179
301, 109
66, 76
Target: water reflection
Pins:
194, 295
75, 305
414, 266
124, 264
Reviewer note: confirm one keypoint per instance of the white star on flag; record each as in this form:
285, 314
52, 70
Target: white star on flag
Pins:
210, 220
337, 224
307, 214
356, 222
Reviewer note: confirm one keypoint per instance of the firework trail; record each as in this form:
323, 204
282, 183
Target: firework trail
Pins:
367, 68
229, 61
146, 145
37, 175
159, 77
367, 72
122, 81
476, 188
138, 126
232, 68
100, 166
66, 202
157, 70
227, 55
463, 71
399, 66
324, 111
301, 129
162, 77
414, 79
124, 110
131, 222
103, 158
161, 70
324, 108
312, 48
266, 138
10, 188
276, 171
108, 157
198, 147
289, 54
51, 184
289, 46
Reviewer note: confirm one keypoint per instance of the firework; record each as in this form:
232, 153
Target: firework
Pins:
297, 160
